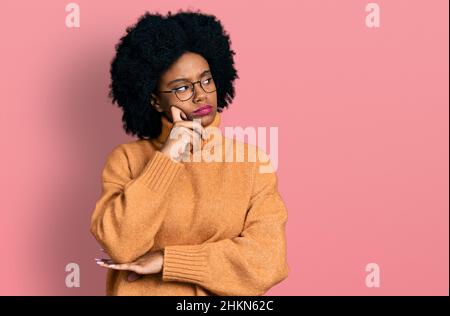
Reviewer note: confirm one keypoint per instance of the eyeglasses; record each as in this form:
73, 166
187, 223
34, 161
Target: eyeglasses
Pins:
186, 91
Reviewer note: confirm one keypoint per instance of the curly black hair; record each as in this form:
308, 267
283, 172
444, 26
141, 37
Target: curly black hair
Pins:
150, 47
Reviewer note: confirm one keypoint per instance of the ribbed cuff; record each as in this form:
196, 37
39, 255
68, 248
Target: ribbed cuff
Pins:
185, 263
160, 172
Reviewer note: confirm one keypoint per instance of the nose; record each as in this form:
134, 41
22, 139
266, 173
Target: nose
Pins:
199, 93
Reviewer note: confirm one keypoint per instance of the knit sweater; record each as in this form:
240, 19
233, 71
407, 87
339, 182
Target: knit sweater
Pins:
220, 224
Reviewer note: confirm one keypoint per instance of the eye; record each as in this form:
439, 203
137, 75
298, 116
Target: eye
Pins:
207, 81
181, 89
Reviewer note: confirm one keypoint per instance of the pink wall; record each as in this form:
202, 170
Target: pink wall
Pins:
362, 115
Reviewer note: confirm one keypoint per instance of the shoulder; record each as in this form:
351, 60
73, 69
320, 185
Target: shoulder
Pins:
131, 150
136, 149
130, 155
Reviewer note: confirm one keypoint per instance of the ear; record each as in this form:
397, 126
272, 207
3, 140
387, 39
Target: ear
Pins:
154, 102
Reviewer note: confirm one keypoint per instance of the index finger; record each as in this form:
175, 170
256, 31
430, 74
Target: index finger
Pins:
176, 113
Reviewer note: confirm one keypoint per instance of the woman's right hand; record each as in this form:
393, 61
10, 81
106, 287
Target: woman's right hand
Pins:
182, 135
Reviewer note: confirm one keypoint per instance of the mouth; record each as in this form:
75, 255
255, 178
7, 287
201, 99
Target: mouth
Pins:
203, 110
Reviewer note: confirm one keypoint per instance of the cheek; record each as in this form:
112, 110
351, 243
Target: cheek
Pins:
166, 104
214, 97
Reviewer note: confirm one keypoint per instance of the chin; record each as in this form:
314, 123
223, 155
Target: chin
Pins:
206, 119
209, 118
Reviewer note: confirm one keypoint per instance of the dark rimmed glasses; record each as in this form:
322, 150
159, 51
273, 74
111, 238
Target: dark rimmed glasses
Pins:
186, 89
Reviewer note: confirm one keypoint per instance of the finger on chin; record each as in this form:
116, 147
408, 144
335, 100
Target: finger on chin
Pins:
176, 115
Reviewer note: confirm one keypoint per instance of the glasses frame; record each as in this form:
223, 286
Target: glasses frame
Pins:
192, 84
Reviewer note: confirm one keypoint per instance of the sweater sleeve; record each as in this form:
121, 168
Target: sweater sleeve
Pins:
127, 215
249, 264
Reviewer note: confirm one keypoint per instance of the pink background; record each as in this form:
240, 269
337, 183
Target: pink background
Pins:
363, 125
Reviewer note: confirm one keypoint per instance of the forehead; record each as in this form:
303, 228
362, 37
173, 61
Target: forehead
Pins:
189, 65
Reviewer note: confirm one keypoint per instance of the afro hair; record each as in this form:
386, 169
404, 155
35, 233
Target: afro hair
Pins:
150, 47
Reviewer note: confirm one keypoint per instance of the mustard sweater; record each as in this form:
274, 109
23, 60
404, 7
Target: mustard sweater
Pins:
221, 224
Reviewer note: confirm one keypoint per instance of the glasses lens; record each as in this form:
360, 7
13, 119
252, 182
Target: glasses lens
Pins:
208, 84
185, 90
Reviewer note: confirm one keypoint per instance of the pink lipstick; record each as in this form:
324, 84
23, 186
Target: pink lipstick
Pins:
203, 110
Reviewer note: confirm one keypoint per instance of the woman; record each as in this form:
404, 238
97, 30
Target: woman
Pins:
173, 225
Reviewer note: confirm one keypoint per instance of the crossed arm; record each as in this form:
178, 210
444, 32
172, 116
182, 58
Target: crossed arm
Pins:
249, 264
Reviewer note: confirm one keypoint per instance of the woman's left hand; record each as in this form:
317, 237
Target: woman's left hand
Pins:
151, 262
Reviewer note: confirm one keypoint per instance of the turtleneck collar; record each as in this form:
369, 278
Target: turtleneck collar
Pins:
159, 141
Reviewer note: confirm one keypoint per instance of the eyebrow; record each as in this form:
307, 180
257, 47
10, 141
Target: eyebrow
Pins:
186, 79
